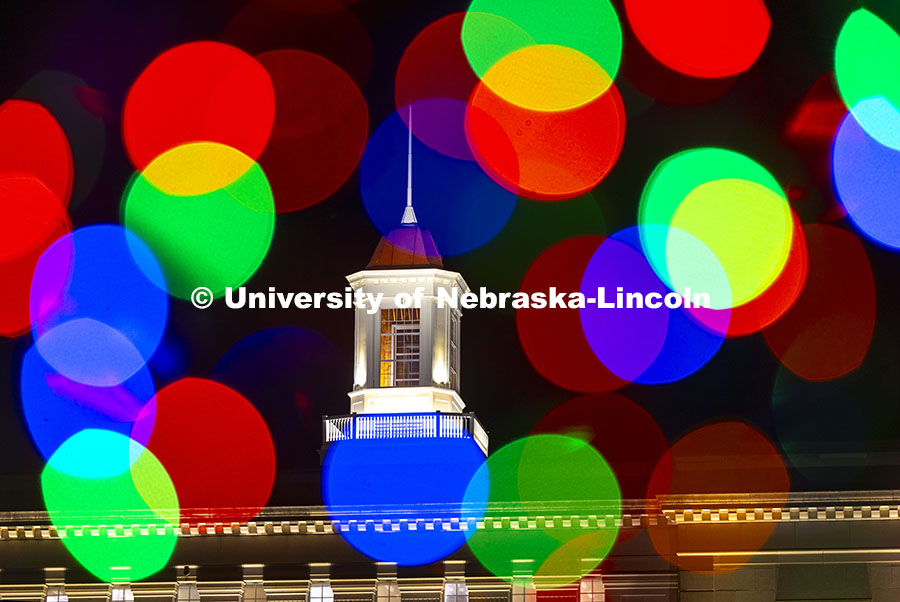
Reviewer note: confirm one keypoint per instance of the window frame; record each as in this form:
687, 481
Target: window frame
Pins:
400, 347
591, 589
456, 590
320, 591
387, 590
454, 350
522, 590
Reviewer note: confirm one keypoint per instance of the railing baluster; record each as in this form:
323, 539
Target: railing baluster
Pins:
416, 425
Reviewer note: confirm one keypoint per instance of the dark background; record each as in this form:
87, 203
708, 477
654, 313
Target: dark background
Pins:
107, 44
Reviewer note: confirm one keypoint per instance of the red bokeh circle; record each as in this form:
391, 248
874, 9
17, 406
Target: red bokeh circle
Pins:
714, 468
827, 331
215, 447
553, 338
435, 74
772, 303
31, 219
701, 38
200, 91
32, 142
334, 33
545, 155
623, 432
29, 213
320, 130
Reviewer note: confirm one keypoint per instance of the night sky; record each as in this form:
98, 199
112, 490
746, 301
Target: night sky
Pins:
107, 45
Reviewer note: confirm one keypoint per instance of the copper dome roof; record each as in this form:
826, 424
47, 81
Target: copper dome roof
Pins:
407, 246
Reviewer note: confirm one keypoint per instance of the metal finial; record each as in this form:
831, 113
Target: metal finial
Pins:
409, 215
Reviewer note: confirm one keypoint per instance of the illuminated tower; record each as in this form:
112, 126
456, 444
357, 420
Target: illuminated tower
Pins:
406, 356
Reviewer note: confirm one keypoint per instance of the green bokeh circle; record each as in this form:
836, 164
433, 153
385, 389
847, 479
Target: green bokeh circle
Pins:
119, 512
569, 492
679, 175
216, 239
866, 59
494, 29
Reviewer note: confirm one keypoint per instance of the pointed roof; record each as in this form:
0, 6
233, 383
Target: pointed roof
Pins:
407, 246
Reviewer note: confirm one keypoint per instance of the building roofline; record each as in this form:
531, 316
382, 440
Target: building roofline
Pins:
854, 505
412, 272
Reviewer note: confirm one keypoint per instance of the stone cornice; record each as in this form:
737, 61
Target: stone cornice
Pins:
671, 510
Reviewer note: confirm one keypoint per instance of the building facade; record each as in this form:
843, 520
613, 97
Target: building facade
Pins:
817, 546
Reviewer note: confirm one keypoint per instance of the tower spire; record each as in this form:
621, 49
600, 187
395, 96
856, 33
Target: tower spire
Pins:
409, 215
